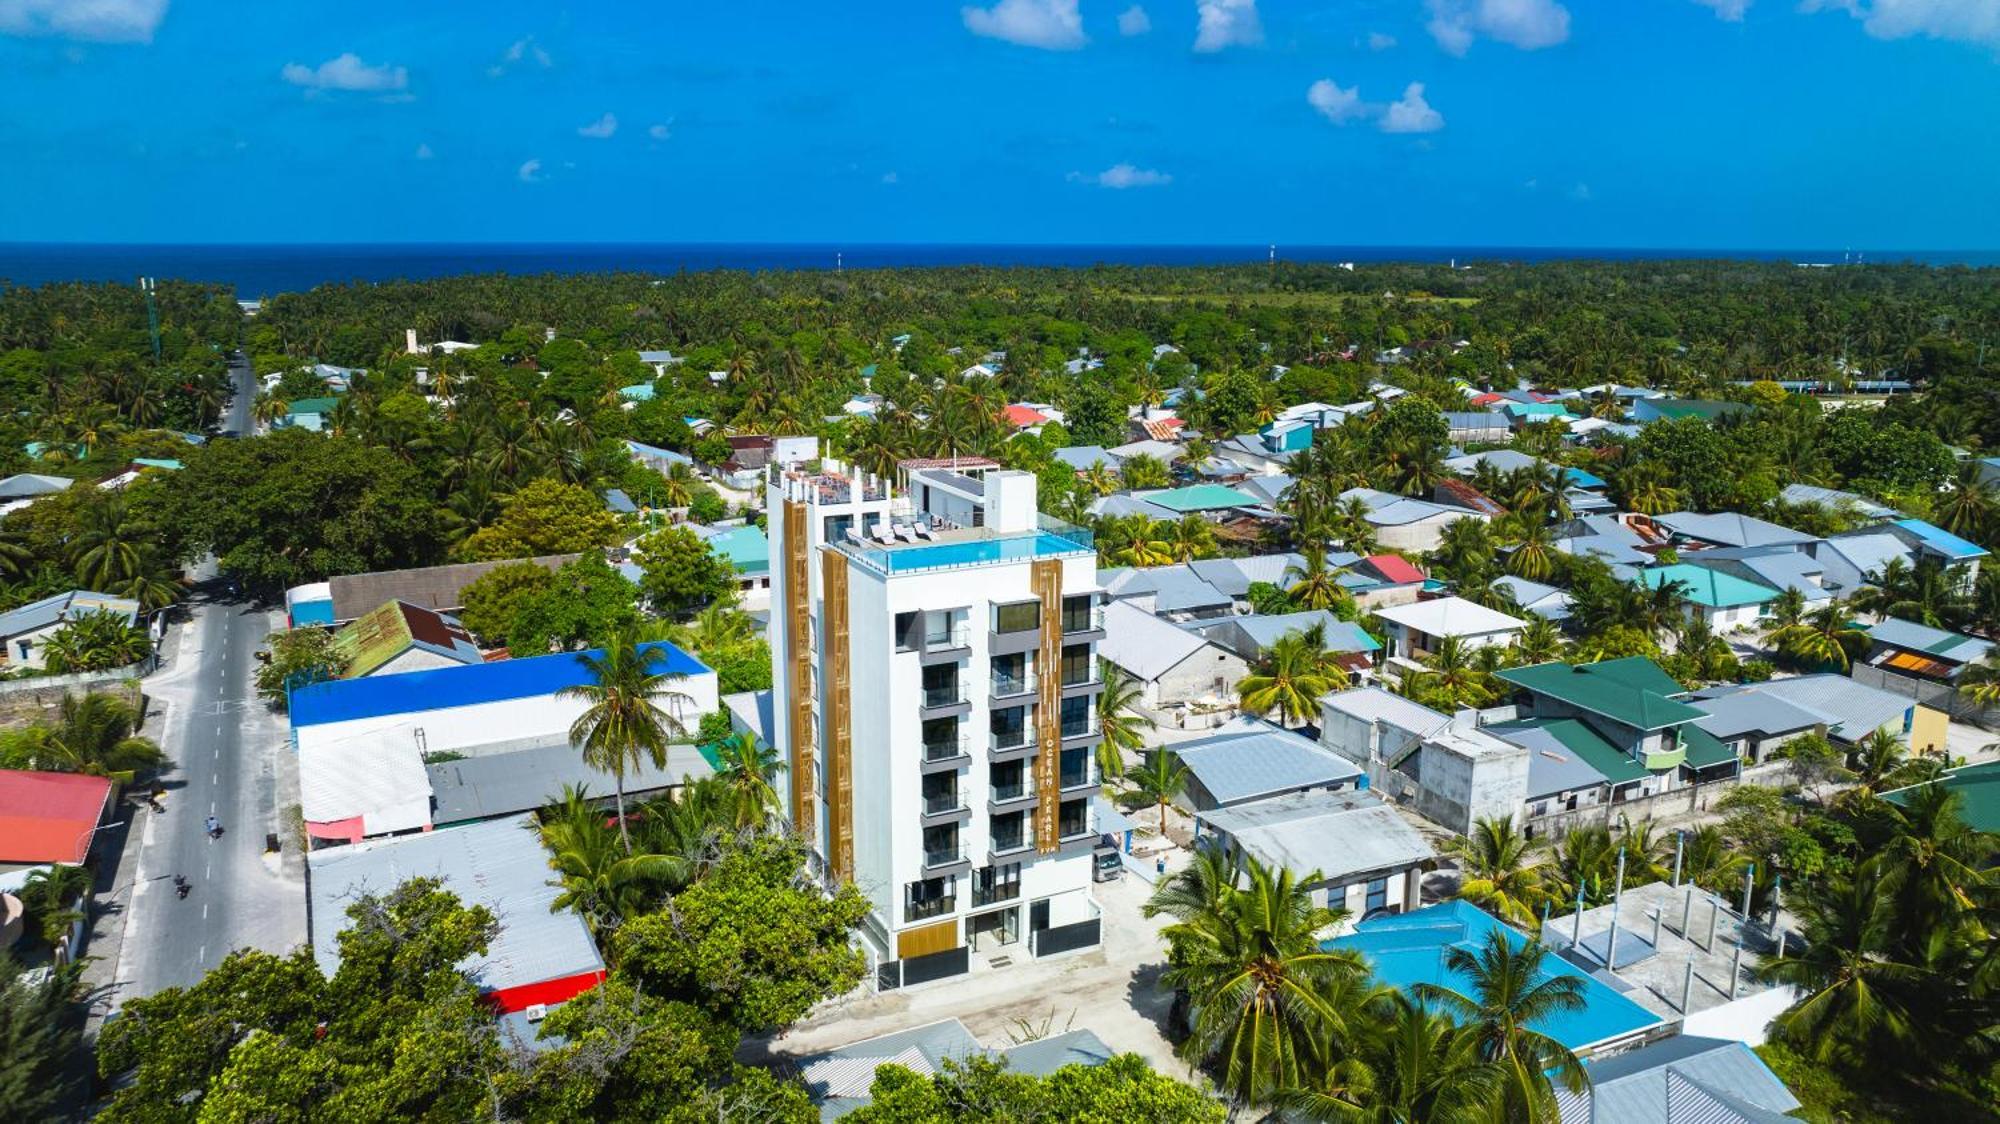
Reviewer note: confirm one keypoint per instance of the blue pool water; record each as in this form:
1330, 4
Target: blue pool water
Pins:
978, 552
1408, 949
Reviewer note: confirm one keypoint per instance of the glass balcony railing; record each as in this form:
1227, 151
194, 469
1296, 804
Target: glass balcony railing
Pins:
1083, 620
1079, 727
928, 908
943, 856
1013, 841
943, 749
1004, 685
1013, 791
943, 639
1002, 892
1004, 740
1079, 676
1074, 778
940, 802
947, 694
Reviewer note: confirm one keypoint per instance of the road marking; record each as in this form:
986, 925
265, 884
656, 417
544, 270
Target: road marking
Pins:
214, 778
204, 911
202, 956
211, 807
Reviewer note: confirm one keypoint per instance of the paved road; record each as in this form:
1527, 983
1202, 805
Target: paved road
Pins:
227, 751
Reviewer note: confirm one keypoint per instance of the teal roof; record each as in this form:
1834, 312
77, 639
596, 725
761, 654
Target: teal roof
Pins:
746, 548
1617, 766
1201, 497
1977, 785
1703, 748
153, 462
1615, 689
311, 406
1709, 588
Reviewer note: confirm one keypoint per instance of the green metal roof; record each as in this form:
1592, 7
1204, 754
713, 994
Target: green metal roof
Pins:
312, 406
1977, 785
1703, 750
1617, 766
1709, 588
1201, 497
745, 547
1612, 692
1638, 673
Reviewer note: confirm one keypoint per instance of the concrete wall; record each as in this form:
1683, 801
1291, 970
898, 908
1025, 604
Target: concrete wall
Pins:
1457, 789
1195, 678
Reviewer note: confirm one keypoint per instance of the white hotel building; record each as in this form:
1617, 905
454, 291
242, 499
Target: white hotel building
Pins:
934, 701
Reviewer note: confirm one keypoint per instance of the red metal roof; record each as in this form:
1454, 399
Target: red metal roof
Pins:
49, 817
1395, 568
1021, 417
1162, 429
1485, 399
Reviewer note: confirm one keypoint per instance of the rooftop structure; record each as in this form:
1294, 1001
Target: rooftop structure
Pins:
841, 1080
541, 955
398, 637
1850, 710
1685, 1079
1923, 652
1349, 839
50, 817
1708, 588
1812, 495
1729, 528
1250, 759
441, 588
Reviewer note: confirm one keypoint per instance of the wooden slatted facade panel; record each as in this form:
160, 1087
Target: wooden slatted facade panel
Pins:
941, 937
1047, 578
839, 732
798, 616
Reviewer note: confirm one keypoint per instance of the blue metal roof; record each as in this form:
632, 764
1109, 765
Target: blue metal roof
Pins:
416, 691
1942, 541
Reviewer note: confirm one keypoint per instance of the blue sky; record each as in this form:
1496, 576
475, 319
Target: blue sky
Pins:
1656, 123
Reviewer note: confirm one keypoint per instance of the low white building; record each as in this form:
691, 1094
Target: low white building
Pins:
1352, 851
1175, 667
1415, 630
24, 632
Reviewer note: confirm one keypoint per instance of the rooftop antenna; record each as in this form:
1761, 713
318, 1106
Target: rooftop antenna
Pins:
152, 315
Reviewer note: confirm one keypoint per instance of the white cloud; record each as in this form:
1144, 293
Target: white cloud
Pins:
98, 21
1118, 177
1377, 41
1580, 193
600, 129
1227, 23
524, 49
889, 177
1968, 21
1053, 25
661, 132
1334, 103
1412, 114
531, 171
347, 72
1133, 21
1729, 10
1527, 24
424, 152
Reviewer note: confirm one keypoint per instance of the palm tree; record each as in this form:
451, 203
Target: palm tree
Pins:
1786, 610
1158, 781
1189, 538
1262, 992
1451, 677
95, 641
623, 723
1510, 993
1099, 479
1319, 585
1533, 556
1294, 672
1935, 864
601, 881
1199, 889
1855, 988
1143, 471
47, 894
1827, 637
1966, 508
1413, 1066
1980, 682
1540, 642
1586, 860
1708, 862
270, 408
103, 550
1501, 871
749, 766
1121, 725
94, 734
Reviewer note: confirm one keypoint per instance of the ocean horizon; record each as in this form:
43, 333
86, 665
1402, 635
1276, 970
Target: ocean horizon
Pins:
264, 269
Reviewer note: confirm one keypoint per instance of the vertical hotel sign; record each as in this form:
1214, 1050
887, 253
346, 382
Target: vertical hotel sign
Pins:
798, 632
1047, 577
839, 730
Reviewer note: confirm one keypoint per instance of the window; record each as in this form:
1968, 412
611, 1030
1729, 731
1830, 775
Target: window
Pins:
835, 527
940, 793
1075, 768
1077, 665
941, 845
1078, 614
1010, 727
907, 636
1076, 716
1010, 831
996, 884
1378, 896
1010, 674
1008, 780
1074, 819
1023, 616
941, 685
941, 739
932, 897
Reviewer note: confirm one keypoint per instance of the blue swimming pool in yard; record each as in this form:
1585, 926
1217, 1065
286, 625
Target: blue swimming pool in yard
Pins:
1409, 948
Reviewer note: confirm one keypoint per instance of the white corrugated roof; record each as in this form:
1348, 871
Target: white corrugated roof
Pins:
1450, 616
378, 776
1142, 643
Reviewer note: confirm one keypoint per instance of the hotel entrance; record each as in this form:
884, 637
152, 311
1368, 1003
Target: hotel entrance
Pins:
991, 932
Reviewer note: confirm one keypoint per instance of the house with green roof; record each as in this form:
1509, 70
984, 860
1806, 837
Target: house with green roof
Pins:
397, 637
1978, 789
1627, 720
1723, 600
1200, 498
748, 552
307, 413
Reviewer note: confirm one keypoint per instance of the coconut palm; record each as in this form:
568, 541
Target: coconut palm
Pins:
1540, 642
1451, 678
1785, 611
1150, 543
1708, 861
1292, 675
1534, 553
98, 640
48, 894
1935, 864
1855, 988
1121, 725
1501, 870
106, 548
750, 768
1413, 1066
1143, 471
94, 734
1586, 859
1980, 682
1100, 479
1827, 637
600, 880
1318, 585
1509, 994
625, 721
1189, 538
1199, 889
1161, 778
1967, 506
1263, 995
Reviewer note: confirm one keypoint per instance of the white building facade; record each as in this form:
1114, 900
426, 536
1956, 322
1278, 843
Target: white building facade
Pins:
935, 704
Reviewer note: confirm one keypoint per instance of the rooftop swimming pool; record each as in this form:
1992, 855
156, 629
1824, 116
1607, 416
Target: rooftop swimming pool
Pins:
1409, 949
968, 552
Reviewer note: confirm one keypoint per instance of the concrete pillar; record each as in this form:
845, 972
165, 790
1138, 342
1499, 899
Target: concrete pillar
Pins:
1656, 930
1714, 915
1736, 968
1687, 911
1687, 986
1617, 893
1680, 841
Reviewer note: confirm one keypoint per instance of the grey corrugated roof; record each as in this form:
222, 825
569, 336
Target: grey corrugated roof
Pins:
1081, 457
60, 607
30, 484
754, 711
1142, 644
1731, 528
1269, 488
1373, 704
1506, 460
1174, 588
503, 784
1544, 601
1816, 496
1633, 1086
1120, 503
1243, 766
1868, 553
1552, 766
1248, 636
1851, 710
1934, 642
1338, 834
1235, 575
500, 865
1732, 716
